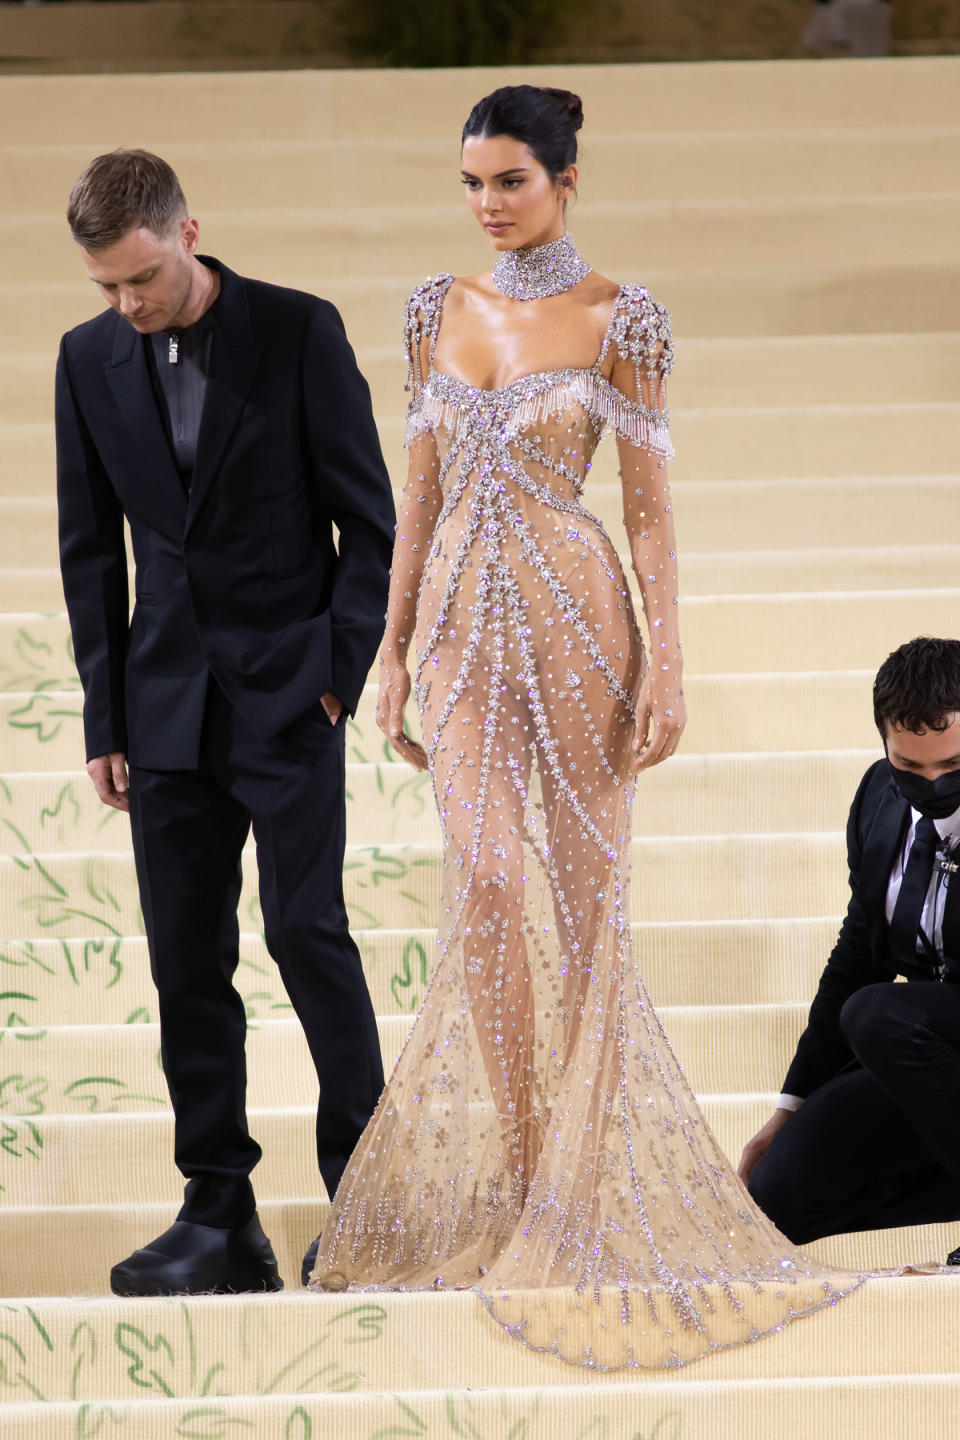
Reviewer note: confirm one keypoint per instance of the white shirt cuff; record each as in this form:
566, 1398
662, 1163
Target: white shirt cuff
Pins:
789, 1102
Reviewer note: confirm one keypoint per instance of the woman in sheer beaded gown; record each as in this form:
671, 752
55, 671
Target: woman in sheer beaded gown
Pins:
538, 1141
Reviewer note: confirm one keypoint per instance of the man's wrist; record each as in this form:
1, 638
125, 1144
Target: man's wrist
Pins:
789, 1102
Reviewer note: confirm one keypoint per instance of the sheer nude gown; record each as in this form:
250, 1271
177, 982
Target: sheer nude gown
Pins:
538, 1140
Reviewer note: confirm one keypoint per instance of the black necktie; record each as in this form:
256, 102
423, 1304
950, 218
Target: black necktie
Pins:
908, 911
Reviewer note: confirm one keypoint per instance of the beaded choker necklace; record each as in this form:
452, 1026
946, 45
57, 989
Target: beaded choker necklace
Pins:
541, 271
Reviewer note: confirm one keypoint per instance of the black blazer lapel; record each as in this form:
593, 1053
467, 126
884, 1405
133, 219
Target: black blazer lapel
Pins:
235, 357
159, 496
883, 839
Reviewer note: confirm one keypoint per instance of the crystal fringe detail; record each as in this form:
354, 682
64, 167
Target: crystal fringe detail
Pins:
460, 409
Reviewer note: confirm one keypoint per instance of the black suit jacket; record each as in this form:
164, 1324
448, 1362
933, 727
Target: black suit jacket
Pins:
878, 823
241, 578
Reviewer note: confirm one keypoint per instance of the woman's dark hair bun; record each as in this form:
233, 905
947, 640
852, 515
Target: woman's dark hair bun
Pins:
544, 119
571, 103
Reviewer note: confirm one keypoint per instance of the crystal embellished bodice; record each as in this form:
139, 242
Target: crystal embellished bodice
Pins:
538, 1140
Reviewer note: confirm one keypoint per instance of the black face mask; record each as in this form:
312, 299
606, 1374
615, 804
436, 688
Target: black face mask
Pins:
934, 798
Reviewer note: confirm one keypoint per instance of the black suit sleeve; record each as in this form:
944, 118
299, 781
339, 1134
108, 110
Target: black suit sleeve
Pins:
351, 489
93, 564
822, 1050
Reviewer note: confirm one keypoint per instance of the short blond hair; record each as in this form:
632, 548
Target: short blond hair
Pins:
123, 191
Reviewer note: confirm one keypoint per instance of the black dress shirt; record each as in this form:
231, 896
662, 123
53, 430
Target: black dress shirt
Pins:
180, 364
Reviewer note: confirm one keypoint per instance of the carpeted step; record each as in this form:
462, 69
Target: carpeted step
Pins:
819, 710
779, 300
727, 714
855, 628
723, 1410
127, 1157
896, 567
747, 634
713, 516
694, 795
398, 886
814, 370
120, 1350
70, 1250
376, 171
115, 1069
771, 444
907, 567
730, 444
97, 980
436, 236
786, 95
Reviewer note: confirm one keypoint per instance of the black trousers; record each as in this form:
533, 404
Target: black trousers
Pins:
879, 1145
189, 828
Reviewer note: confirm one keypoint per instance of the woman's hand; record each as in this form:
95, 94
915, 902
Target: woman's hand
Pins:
661, 716
392, 700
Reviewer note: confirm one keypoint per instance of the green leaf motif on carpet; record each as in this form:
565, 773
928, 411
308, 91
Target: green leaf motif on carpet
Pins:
104, 1095
23, 1095
46, 715
411, 977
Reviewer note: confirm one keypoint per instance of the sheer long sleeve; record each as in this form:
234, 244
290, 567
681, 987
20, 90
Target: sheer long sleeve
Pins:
422, 495
416, 522
644, 352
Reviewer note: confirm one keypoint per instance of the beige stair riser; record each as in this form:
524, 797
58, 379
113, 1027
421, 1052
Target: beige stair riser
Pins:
439, 1342
398, 887
42, 730
693, 795
905, 567
752, 572
121, 1159
780, 443
776, 300
381, 171
739, 1048
815, 710
722, 635
331, 104
97, 981
718, 519
100, 1236
751, 371
769, 444
723, 1410
918, 229
799, 632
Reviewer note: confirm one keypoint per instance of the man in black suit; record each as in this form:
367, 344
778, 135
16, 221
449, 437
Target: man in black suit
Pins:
226, 419
867, 1131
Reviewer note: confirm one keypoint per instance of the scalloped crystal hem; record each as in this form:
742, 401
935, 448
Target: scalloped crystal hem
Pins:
672, 1360
578, 1316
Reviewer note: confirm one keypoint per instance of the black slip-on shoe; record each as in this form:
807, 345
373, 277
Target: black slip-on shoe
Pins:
191, 1259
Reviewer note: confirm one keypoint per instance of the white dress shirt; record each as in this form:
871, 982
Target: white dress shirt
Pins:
931, 919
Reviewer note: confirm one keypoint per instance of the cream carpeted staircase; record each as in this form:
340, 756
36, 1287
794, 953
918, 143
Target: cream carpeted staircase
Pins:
800, 221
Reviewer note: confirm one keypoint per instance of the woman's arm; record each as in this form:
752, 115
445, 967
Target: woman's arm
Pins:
420, 506
648, 517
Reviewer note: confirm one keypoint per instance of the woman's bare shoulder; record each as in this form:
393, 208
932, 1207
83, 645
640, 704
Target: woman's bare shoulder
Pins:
598, 290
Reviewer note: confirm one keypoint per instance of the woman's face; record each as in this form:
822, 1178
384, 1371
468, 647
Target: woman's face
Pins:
510, 193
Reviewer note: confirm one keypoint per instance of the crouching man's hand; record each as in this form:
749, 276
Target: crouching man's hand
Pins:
755, 1149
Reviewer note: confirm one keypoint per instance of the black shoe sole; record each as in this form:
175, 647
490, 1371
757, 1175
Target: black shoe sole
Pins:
240, 1283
